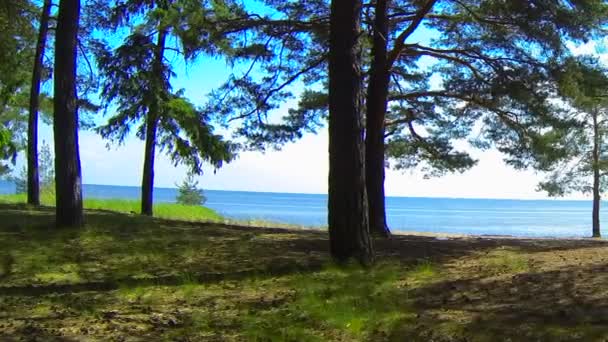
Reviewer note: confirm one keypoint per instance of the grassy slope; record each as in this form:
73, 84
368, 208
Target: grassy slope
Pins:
125, 276
161, 210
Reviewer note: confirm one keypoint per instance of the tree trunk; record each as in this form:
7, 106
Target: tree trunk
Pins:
377, 96
147, 183
65, 124
33, 177
347, 200
596, 177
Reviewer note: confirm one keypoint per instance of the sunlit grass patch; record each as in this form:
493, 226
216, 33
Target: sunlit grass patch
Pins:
423, 272
173, 211
503, 260
341, 302
64, 274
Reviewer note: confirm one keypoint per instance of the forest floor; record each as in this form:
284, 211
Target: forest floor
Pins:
128, 278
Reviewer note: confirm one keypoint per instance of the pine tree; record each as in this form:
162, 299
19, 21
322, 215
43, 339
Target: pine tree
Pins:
136, 78
33, 177
188, 192
46, 170
65, 122
574, 157
347, 201
493, 59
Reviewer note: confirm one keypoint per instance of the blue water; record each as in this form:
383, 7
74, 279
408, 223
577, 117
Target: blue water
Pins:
531, 218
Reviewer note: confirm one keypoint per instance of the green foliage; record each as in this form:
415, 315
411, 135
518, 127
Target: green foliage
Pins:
17, 44
566, 153
492, 59
188, 192
46, 169
135, 88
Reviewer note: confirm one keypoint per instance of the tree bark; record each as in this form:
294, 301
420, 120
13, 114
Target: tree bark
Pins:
596, 177
65, 124
347, 200
147, 184
33, 177
377, 96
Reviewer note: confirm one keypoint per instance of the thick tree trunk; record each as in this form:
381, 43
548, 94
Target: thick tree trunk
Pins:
377, 95
347, 200
596, 177
65, 124
147, 183
33, 177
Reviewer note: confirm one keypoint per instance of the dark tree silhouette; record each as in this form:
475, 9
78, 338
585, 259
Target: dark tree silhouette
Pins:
33, 176
68, 181
347, 201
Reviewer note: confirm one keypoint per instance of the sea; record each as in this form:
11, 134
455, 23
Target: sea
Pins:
504, 217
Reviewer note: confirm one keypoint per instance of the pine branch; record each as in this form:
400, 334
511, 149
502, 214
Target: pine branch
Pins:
400, 41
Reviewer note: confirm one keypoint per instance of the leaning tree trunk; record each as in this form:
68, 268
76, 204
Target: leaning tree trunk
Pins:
596, 177
65, 124
33, 177
147, 183
347, 202
377, 95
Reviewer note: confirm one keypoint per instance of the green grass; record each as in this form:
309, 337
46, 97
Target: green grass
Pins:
162, 210
171, 211
343, 303
128, 277
504, 261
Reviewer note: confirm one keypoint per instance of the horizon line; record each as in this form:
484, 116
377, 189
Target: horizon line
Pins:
390, 196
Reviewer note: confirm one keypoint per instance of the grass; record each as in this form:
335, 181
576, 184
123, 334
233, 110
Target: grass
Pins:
127, 277
161, 210
173, 211
504, 261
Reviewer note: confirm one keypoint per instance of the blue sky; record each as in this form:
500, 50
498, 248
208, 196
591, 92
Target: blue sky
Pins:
300, 167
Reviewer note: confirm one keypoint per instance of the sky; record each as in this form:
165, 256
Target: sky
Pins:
300, 167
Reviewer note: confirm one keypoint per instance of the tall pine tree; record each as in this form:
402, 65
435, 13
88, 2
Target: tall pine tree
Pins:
136, 78
347, 201
33, 177
68, 180
482, 64
574, 157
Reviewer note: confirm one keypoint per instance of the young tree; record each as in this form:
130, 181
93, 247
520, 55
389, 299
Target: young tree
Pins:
47, 173
581, 164
347, 201
136, 77
68, 183
33, 178
188, 192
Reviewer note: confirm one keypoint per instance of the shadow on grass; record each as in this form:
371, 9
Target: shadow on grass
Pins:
566, 304
167, 280
129, 275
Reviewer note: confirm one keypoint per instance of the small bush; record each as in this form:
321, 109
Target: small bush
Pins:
189, 193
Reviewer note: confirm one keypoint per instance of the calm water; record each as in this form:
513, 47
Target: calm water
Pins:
444, 215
